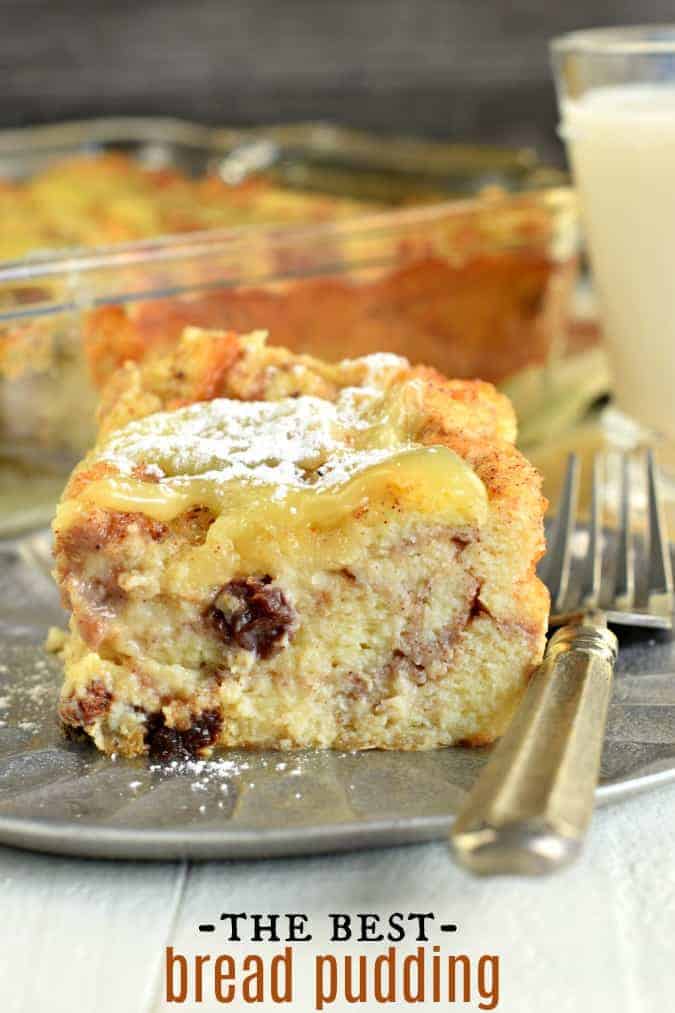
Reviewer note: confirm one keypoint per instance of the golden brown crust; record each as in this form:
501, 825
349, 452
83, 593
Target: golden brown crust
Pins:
210, 364
469, 314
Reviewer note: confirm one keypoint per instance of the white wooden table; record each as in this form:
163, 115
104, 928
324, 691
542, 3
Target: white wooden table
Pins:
89, 936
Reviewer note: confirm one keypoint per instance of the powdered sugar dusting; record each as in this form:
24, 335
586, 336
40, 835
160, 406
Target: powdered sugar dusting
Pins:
203, 770
285, 443
230, 770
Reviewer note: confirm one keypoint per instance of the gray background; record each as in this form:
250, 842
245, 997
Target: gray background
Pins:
471, 70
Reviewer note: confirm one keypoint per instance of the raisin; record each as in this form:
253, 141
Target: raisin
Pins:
252, 614
166, 743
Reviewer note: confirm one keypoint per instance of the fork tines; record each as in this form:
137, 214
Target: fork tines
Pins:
625, 601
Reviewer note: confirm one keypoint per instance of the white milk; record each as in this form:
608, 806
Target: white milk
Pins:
621, 142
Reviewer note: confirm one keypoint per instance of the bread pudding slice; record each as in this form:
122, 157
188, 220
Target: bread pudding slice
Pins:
267, 550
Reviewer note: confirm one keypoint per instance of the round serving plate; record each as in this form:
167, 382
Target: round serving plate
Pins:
62, 796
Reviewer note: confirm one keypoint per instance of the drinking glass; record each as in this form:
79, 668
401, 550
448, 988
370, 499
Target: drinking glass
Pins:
616, 96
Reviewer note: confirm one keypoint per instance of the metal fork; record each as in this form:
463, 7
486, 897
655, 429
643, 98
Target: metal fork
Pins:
531, 805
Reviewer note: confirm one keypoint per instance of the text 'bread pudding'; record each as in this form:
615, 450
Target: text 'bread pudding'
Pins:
267, 550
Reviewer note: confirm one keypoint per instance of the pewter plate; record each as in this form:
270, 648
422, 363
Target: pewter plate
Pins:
61, 796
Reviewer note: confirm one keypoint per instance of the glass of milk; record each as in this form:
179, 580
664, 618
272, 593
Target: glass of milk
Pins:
616, 93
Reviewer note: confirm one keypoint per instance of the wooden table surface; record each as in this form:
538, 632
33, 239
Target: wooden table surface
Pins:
89, 936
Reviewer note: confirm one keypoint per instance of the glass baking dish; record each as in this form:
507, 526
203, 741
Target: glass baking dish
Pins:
99, 182
475, 287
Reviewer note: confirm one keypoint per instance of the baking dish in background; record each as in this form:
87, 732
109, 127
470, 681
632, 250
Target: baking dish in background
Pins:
96, 182
474, 286
73, 196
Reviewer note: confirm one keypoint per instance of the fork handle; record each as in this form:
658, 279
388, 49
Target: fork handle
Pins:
529, 809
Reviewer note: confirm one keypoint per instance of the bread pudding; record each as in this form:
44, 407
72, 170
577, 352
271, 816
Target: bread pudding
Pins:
112, 198
267, 550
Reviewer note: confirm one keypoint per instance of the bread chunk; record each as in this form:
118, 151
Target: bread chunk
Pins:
267, 550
